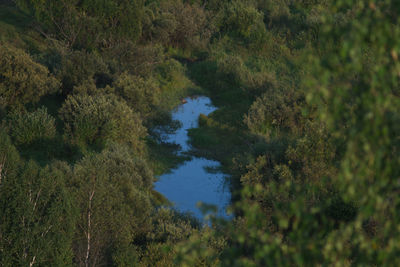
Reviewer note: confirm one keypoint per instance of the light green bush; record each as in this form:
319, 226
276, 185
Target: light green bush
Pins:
26, 128
178, 24
22, 80
276, 112
140, 94
243, 20
96, 120
88, 24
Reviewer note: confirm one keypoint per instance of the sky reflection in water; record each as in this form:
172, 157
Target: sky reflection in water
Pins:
190, 183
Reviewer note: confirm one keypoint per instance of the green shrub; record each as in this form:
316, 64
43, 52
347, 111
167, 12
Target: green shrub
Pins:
26, 128
137, 59
140, 94
88, 87
96, 120
275, 10
178, 24
74, 67
78, 66
231, 68
244, 21
22, 80
235, 71
275, 112
88, 24
173, 82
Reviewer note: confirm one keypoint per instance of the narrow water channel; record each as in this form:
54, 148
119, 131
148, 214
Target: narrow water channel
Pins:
191, 183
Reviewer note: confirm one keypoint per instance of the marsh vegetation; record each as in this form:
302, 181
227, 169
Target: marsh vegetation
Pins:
306, 127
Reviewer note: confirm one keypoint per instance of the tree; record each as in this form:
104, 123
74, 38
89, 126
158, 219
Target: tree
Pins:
276, 112
356, 85
26, 128
77, 67
178, 24
242, 20
96, 120
37, 218
22, 80
88, 24
112, 190
333, 199
142, 95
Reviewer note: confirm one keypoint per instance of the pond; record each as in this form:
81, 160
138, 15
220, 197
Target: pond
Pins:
198, 179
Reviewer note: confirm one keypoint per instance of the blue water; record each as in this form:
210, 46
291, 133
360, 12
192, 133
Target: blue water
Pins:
191, 184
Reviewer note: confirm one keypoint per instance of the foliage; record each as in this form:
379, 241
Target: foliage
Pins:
360, 105
37, 217
178, 24
276, 113
96, 120
9, 156
244, 21
168, 228
89, 23
75, 67
142, 95
136, 59
78, 66
22, 80
307, 128
26, 128
112, 193
173, 83
88, 87
330, 200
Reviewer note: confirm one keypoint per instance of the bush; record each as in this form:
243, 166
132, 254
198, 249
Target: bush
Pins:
90, 23
74, 67
140, 94
244, 21
235, 71
26, 128
22, 80
275, 10
276, 112
173, 82
79, 66
178, 24
136, 59
232, 69
89, 87
96, 120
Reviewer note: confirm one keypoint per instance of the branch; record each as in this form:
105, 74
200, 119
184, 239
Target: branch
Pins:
33, 261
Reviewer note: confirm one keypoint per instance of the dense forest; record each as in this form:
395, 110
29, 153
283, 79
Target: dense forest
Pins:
307, 127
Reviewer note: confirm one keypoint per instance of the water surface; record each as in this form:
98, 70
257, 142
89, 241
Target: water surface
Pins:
191, 183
